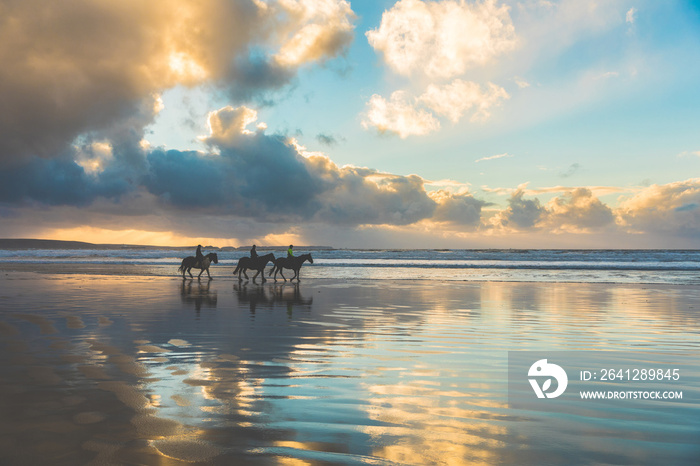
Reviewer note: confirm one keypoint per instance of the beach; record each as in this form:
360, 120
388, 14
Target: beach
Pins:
107, 366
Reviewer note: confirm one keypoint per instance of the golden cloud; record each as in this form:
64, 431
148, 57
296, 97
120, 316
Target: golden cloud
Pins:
80, 66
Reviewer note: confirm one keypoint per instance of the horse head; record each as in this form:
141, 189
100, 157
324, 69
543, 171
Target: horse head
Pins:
213, 257
309, 258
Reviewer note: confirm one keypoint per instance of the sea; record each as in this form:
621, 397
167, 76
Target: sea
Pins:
510, 265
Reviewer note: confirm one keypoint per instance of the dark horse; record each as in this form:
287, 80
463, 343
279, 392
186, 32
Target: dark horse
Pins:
257, 263
190, 262
293, 263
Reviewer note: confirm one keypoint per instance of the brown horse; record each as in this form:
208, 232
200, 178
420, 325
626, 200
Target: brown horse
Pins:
293, 263
254, 263
190, 262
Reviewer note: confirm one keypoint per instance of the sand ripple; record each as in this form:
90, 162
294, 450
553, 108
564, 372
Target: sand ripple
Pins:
194, 451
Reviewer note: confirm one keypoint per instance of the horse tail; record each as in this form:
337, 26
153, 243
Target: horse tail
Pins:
182, 266
274, 266
240, 264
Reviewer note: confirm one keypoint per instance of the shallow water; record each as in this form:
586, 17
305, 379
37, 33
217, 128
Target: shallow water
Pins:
154, 370
589, 266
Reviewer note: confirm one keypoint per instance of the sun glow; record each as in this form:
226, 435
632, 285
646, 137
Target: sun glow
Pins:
131, 236
186, 68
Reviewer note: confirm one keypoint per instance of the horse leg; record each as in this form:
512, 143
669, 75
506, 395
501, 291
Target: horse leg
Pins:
296, 275
208, 274
262, 273
189, 270
280, 269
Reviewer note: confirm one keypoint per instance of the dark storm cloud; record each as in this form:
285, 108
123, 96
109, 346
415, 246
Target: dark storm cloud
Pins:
246, 174
56, 182
267, 178
259, 177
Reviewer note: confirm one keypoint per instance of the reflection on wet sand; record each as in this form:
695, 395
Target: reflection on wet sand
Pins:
199, 294
364, 373
271, 296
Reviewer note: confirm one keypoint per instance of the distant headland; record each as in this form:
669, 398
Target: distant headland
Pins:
24, 243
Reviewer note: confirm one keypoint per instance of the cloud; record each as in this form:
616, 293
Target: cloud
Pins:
322, 30
521, 213
407, 116
442, 39
458, 209
399, 115
578, 210
631, 15
673, 209
522, 84
595, 190
573, 168
84, 68
56, 182
452, 100
245, 174
493, 157
362, 196
228, 124
608, 75
328, 139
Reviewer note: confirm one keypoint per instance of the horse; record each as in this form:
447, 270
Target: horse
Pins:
190, 262
291, 262
255, 263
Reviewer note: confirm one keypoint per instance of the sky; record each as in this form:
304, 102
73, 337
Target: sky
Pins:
363, 124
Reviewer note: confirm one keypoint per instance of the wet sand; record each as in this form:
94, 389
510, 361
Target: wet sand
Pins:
123, 369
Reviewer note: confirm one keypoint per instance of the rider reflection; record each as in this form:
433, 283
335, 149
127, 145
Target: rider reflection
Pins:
198, 294
275, 296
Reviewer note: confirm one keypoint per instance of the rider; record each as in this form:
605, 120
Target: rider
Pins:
199, 256
290, 252
253, 252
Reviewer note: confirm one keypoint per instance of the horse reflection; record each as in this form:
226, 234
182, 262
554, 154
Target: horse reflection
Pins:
199, 294
271, 297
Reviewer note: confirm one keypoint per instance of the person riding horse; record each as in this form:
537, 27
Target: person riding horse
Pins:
253, 252
199, 256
